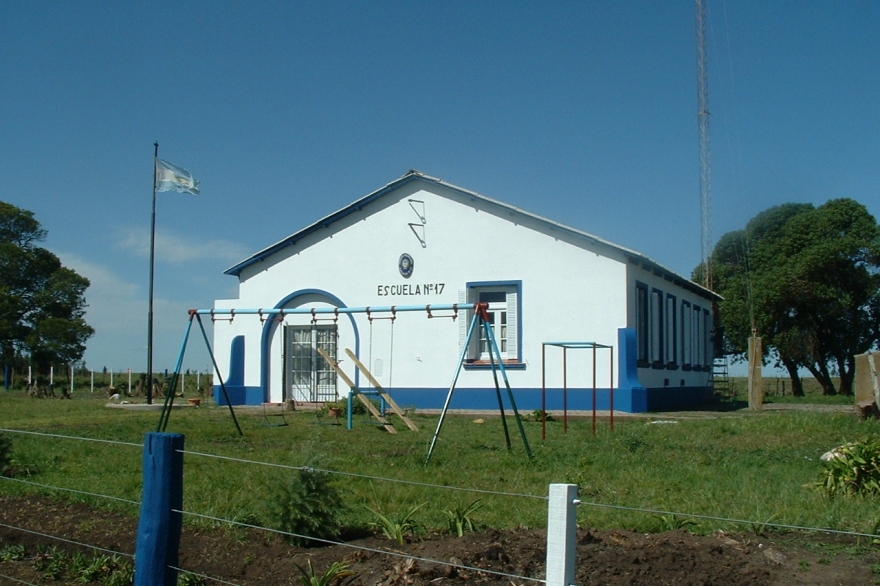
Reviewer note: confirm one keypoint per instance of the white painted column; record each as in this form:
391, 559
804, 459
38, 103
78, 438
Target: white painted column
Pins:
561, 534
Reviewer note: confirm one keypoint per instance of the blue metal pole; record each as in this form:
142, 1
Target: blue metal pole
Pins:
489, 346
169, 393
158, 539
336, 310
522, 431
219, 377
452, 387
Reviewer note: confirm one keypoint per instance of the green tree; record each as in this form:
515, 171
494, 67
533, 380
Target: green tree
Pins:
42, 303
807, 280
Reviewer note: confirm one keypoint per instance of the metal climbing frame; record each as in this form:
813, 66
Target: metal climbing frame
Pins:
480, 319
565, 346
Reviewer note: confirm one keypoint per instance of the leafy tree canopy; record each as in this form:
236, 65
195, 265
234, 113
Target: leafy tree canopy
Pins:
42, 303
807, 280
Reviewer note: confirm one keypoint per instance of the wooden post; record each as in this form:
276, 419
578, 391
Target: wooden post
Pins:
756, 390
158, 538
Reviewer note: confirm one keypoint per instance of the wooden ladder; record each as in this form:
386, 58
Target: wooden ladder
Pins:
389, 427
382, 392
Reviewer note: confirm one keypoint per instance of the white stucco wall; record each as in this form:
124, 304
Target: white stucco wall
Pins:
572, 289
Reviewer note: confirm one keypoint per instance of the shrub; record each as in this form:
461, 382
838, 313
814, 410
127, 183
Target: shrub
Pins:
307, 505
853, 468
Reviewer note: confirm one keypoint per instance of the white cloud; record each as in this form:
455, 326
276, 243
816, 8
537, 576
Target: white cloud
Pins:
118, 311
176, 249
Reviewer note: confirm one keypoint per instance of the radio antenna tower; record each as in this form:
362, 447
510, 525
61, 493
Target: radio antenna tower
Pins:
703, 120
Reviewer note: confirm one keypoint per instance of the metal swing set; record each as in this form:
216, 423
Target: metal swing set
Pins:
480, 319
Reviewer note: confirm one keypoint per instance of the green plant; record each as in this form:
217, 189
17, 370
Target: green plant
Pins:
853, 468
541, 415
187, 579
79, 564
674, 522
357, 406
51, 561
12, 553
399, 526
307, 506
460, 519
759, 529
96, 569
122, 574
338, 573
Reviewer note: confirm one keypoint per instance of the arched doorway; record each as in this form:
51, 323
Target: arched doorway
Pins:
298, 371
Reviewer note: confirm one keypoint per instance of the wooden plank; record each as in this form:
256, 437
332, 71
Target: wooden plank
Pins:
382, 392
370, 407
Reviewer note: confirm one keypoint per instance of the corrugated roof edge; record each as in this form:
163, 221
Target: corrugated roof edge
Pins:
413, 175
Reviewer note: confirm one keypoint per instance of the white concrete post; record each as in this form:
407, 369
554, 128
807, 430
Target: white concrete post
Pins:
561, 534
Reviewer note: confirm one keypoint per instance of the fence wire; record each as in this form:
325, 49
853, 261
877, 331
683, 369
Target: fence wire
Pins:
65, 540
725, 519
73, 490
362, 547
642, 510
366, 476
16, 580
72, 437
203, 576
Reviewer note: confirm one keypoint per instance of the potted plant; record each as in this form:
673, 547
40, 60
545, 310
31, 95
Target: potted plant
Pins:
334, 409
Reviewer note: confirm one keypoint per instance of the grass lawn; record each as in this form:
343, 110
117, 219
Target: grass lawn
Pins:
740, 465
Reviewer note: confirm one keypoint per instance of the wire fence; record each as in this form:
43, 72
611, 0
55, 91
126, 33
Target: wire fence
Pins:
194, 514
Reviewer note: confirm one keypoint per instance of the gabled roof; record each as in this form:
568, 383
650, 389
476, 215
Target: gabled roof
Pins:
414, 175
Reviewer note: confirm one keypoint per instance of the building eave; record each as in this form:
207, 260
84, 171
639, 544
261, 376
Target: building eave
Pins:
414, 175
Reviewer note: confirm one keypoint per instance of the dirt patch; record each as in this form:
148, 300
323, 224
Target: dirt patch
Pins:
249, 557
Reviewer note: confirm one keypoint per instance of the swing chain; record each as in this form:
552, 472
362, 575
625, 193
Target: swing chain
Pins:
454, 315
214, 318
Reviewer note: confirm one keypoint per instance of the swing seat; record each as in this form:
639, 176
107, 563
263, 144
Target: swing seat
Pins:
268, 423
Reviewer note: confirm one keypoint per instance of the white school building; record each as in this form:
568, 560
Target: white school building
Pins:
570, 311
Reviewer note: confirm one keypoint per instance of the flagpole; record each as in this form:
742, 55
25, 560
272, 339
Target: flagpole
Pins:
149, 382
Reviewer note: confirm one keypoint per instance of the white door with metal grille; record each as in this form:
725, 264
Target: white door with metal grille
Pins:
307, 376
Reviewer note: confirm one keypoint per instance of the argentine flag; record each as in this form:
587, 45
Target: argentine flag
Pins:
173, 178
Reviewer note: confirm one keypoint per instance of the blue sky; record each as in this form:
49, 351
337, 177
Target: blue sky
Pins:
582, 112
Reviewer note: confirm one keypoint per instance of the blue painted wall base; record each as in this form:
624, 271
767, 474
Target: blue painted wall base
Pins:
238, 395
632, 400
630, 396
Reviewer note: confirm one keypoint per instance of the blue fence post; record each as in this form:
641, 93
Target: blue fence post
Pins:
158, 539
